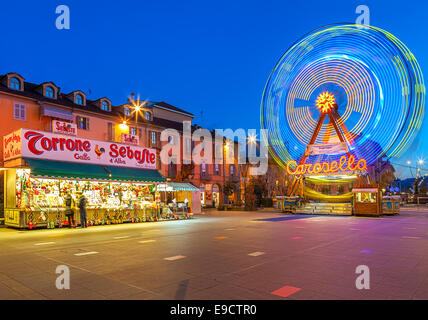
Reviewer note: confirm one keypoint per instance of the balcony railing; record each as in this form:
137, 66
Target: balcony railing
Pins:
206, 176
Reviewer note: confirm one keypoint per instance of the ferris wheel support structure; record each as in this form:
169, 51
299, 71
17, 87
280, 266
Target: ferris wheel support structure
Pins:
345, 138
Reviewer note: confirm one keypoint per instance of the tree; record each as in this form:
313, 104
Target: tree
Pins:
229, 188
251, 200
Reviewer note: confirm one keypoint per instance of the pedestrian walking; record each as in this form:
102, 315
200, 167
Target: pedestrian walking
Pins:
69, 212
82, 208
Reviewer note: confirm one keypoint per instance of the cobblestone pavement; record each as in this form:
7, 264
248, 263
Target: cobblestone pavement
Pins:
223, 255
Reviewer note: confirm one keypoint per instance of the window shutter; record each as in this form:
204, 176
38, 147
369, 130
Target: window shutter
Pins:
23, 112
158, 134
140, 134
78, 122
109, 131
16, 110
87, 123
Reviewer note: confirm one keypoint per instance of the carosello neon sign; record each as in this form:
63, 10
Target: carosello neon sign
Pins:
344, 165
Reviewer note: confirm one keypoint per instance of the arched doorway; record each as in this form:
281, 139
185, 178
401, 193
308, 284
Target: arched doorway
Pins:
202, 190
217, 195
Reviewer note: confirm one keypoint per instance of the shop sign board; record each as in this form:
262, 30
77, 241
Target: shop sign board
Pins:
343, 165
130, 139
50, 146
12, 145
63, 127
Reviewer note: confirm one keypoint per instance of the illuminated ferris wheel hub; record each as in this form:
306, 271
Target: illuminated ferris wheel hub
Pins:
325, 102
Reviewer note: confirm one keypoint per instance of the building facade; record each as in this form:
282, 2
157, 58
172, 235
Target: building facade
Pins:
44, 107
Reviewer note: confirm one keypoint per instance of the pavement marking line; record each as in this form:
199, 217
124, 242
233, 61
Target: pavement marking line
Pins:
409, 237
174, 258
256, 254
366, 251
122, 237
43, 243
146, 241
221, 237
285, 291
296, 238
85, 253
97, 274
230, 229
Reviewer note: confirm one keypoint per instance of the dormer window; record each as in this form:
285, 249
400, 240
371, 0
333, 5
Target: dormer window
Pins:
49, 92
148, 115
126, 111
78, 99
105, 105
15, 83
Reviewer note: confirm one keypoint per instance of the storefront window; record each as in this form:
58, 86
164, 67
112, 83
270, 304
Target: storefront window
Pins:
366, 197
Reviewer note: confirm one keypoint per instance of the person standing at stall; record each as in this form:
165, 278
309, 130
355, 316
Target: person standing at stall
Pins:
82, 209
69, 205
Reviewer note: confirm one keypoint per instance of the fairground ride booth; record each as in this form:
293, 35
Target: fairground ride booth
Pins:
41, 169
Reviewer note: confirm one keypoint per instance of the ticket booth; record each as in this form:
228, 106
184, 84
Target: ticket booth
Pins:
367, 200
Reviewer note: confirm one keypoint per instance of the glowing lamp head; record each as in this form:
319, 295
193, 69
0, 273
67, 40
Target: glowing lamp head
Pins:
325, 102
123, 126
252, 139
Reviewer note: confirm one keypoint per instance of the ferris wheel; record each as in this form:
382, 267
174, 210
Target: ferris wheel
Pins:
355, 86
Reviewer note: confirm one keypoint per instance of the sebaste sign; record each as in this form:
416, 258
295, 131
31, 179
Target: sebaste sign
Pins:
130, 139
49, 146
63, 127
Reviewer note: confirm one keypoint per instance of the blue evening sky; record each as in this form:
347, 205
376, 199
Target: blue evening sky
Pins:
213, 56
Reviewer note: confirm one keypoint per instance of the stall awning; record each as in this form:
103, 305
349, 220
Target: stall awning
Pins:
176, 186
56, 113
68, 170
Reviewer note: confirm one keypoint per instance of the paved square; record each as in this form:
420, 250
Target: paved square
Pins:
194, 259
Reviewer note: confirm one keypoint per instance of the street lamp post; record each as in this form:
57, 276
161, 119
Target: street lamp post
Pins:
224, 172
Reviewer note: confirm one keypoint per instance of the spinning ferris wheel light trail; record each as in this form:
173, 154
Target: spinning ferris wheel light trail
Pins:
362, 78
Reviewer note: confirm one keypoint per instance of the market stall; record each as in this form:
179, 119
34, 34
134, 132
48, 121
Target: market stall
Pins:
186, 197
119, 187
38, 200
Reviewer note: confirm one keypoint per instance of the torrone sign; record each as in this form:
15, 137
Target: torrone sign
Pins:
49, 146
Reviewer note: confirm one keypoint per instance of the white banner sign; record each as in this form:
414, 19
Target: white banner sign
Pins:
130, 139
328, 148
49, 146
63, 127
